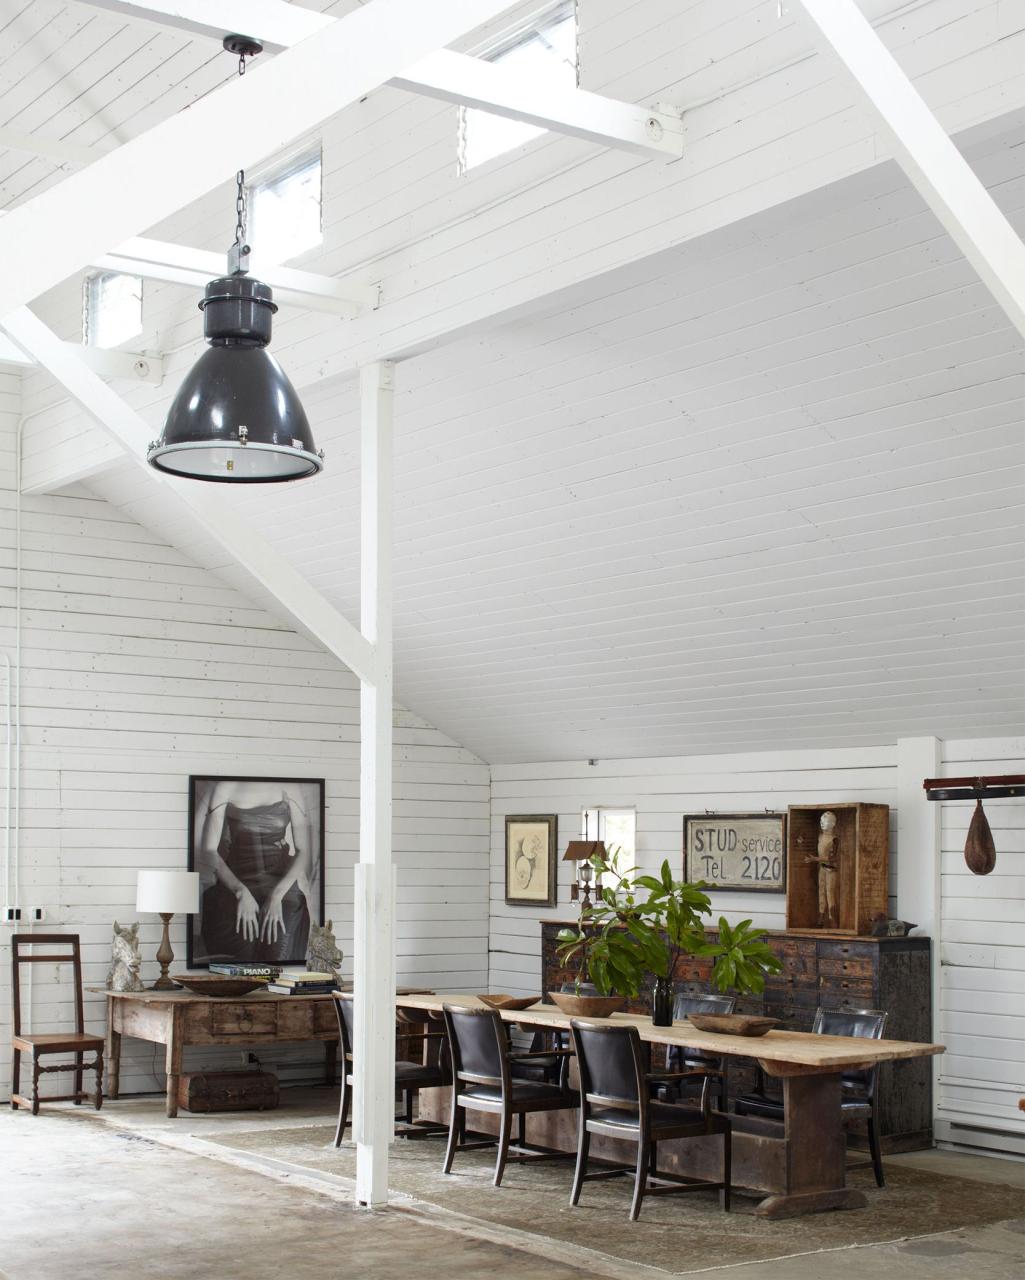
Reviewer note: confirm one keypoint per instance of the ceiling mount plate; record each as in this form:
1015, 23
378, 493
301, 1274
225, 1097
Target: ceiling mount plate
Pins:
244, 46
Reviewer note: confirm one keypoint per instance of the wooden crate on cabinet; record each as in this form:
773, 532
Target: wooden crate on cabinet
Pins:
862, 853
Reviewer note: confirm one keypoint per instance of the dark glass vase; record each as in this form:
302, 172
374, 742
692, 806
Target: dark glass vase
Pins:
662, 1003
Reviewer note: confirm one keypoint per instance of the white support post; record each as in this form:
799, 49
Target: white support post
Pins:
926, 153
918, 858
374, 985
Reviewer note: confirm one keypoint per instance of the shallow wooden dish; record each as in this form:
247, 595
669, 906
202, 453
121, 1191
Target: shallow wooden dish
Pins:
216, 984
732, 1024
587, 1006
508, 1002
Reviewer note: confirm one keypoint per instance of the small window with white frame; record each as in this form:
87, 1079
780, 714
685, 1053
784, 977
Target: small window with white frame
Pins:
617, 828
112, 309
543, 51
285, 211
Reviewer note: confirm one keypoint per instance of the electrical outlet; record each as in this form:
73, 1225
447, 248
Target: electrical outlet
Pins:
36, 914
12, 914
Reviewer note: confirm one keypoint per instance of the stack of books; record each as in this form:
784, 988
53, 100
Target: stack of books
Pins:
301, 982
265, 972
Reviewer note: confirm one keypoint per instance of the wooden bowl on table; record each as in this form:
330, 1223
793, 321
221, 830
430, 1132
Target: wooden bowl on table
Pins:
587, 1006
217, 984
732, 1024
508, 1002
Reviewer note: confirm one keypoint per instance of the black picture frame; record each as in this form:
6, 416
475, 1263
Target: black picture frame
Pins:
715, 865
536, 886
263, 845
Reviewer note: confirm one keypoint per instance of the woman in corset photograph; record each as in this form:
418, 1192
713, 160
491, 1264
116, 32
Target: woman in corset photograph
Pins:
258, 846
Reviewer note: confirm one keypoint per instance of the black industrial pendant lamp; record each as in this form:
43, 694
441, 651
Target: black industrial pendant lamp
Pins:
236, 418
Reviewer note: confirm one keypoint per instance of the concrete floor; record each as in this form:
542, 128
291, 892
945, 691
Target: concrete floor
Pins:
130, 1194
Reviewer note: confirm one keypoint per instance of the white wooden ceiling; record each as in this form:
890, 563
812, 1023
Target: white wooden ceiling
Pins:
765, 489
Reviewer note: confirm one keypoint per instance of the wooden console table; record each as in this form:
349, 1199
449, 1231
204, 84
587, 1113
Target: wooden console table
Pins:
799, 1166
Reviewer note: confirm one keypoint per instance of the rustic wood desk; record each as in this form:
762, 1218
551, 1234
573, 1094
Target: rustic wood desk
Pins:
800, 1163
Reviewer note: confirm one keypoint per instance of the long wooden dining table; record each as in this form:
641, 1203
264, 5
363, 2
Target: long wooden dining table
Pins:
798, 1165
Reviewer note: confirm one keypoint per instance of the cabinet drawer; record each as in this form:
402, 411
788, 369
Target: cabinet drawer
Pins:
244, 1020
833, 990
324, 1017
846, 949
846, 966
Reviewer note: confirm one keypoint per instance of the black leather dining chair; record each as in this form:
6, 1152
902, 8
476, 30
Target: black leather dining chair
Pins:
615, 1101
547, 1062
482, 1080
857, 1088
685, 1057
410, 1077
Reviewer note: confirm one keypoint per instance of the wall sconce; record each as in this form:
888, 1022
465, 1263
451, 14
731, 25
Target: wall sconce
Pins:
585, 852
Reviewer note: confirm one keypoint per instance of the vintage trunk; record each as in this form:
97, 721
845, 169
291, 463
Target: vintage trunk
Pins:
228, 1091
894, 974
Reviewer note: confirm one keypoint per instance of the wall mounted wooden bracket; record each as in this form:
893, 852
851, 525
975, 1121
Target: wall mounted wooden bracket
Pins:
998, 788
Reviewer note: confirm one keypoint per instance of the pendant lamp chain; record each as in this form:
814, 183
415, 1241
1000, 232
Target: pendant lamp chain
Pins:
240, 198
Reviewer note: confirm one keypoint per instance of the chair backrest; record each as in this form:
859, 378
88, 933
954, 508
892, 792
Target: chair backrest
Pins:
52, 942
679, 1055
868, 1024
345, 1012
478, 1042
611, 1063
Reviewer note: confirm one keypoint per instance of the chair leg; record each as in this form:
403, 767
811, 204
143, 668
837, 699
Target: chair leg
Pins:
583, 1146
641, 1177
653, 1160
521, 1129
343, 1109
98, 1095
15, 1077
456, 1127
873, 1146
505, 1133
409, 1106
727, 1170
79, 1060
35, 1085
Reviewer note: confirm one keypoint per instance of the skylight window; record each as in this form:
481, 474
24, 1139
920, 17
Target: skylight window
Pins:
545, 52
284, 212
112, 311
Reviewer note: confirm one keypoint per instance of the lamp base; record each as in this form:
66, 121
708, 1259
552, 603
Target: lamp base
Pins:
164, 957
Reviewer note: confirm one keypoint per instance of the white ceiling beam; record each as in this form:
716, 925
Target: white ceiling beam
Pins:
132, 366
56, 149
927, 154
180, 264
122, 424
451, 77
236, 126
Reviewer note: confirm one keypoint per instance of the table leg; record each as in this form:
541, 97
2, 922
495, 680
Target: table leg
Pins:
330, 1062
113, 1051
173, 1058
816, 1151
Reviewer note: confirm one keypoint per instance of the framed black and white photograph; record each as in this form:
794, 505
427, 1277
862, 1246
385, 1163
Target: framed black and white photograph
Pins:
530, 860
738, 852
258, 845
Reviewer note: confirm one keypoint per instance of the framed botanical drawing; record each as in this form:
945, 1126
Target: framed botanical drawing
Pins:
530, 859
738, 852
258, 845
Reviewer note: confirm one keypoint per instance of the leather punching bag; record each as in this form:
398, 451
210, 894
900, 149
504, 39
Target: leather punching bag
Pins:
980, 852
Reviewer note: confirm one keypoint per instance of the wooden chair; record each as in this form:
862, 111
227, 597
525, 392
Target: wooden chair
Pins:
858, 1088
615, 1101
79, 1042
684, 1058
410, 1077
482, 1080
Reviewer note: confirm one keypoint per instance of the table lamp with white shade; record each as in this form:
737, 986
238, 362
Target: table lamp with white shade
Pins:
167, 893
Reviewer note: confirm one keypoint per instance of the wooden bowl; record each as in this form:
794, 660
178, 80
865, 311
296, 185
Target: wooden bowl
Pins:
587, 1006
217, 984
508, 1002
732, 1024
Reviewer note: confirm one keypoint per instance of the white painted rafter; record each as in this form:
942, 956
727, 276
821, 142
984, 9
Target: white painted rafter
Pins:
449, 76
47, 148
236, 126
926, 152
132, 366
121, 423
181, 264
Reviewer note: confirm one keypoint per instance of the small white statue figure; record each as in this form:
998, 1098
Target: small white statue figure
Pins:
829, 875
322, 952
125, 960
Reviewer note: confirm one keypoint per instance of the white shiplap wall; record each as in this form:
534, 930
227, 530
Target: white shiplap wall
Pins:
140, 668
662, 790
982, 972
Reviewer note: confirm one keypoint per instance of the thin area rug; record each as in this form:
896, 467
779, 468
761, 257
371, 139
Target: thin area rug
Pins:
677, 1234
